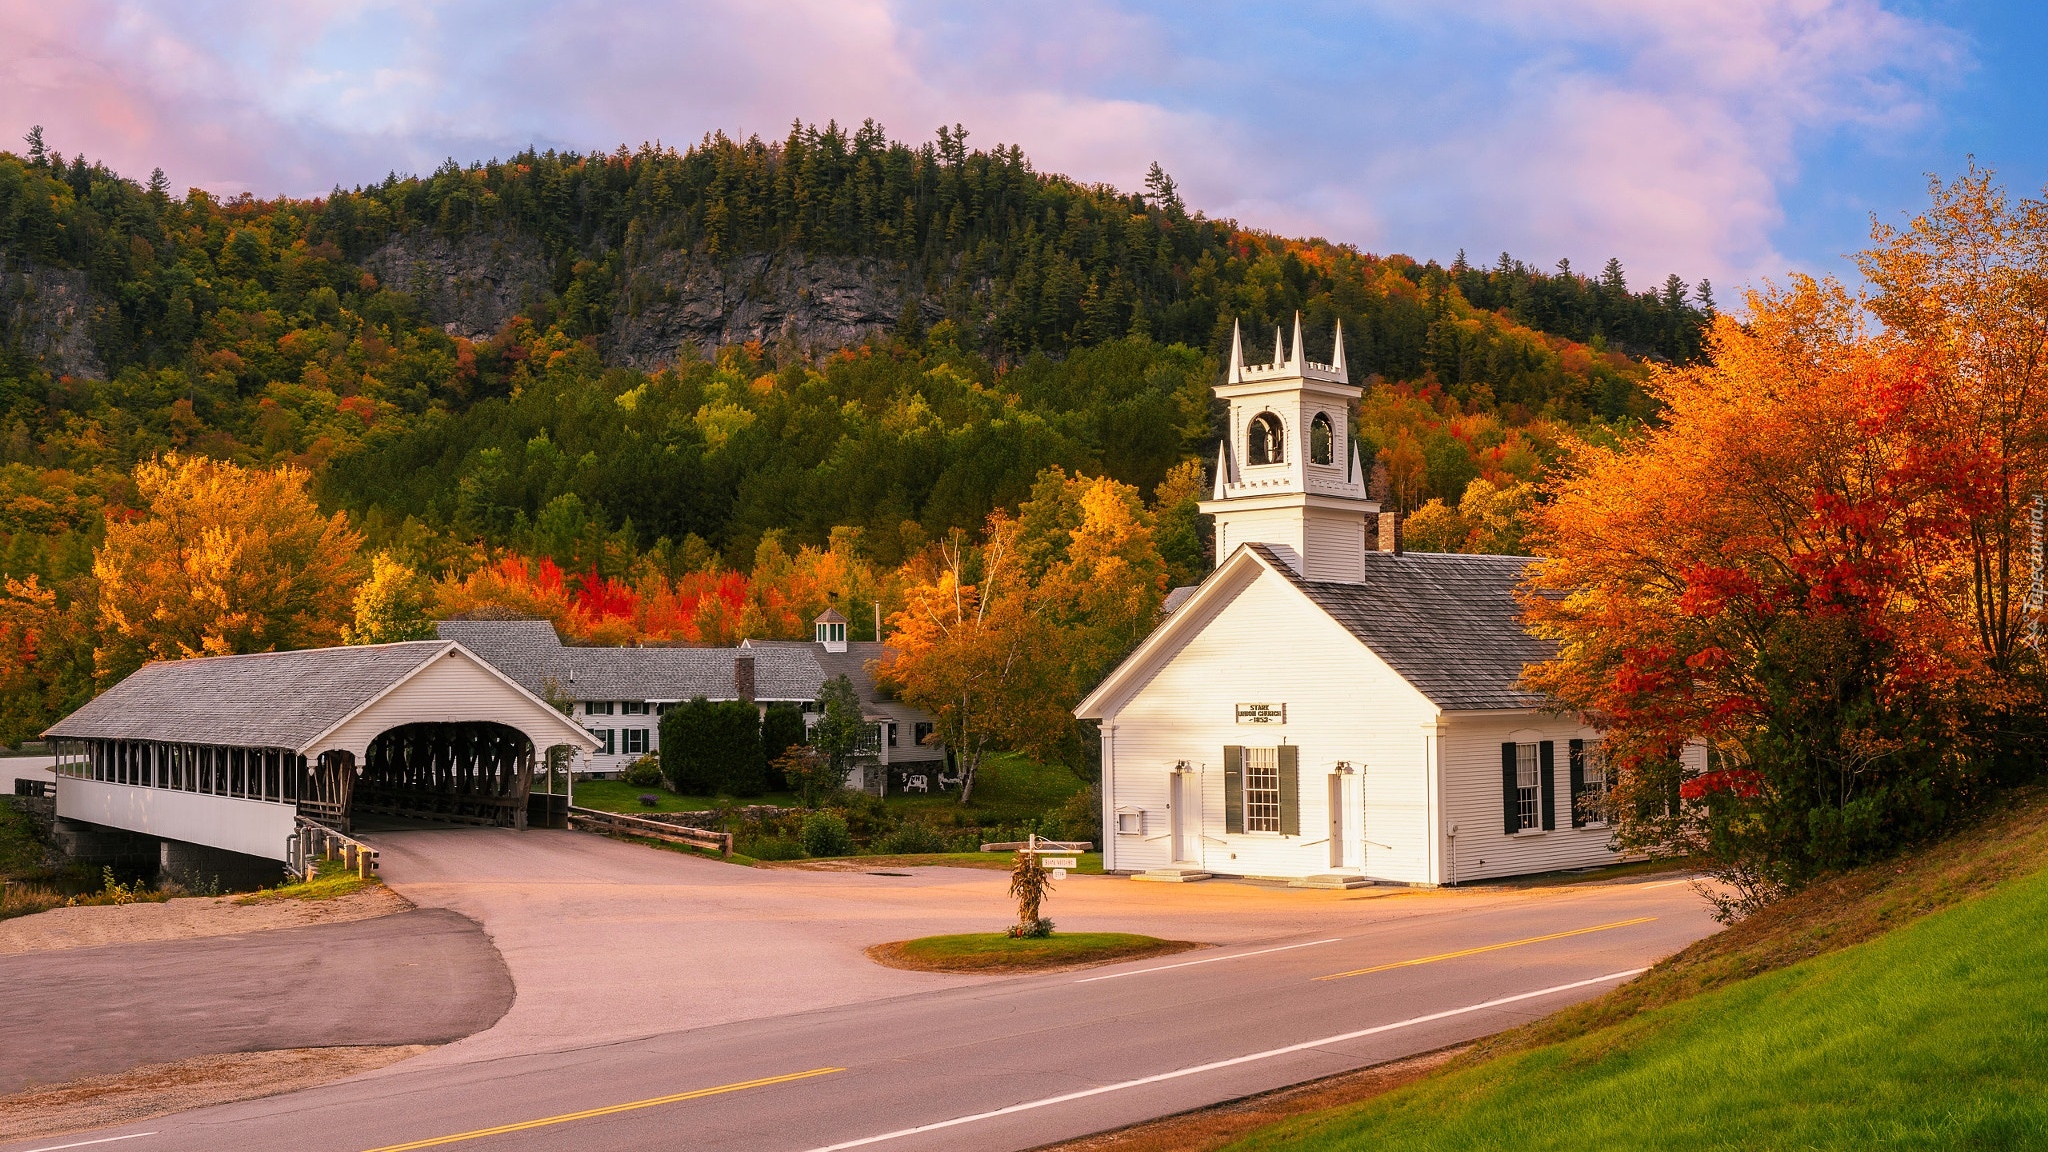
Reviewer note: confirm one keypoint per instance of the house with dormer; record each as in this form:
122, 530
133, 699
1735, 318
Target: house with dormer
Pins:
1326, 708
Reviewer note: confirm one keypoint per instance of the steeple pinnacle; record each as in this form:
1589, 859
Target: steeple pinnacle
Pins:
1236, 355
1337, 361
1294, 361
1279, 355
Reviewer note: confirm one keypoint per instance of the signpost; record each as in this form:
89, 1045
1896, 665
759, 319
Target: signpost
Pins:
1057, 855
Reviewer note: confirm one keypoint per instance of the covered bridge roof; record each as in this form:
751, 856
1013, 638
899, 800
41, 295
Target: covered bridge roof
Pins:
258, 700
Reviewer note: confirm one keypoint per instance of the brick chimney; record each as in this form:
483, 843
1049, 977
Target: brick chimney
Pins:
1390, 531
743, 677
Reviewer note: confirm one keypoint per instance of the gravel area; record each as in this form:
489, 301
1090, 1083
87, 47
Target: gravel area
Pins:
186, 918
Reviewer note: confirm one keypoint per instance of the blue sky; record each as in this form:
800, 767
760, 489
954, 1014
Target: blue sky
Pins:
1731, 139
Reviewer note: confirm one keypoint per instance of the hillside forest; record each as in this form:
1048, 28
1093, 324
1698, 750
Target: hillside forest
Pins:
492, 390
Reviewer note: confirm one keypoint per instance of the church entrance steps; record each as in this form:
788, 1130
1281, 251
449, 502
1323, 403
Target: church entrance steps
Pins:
1330, 880
1172, 875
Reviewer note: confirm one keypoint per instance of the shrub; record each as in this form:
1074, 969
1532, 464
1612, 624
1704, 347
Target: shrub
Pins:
825, 834
1036, 930
22, 899
781, 729
770, 848
913, 838
810, 774
644, 772
1080, 818
649, 800
713, 749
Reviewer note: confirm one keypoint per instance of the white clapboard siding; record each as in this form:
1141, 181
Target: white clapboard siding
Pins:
451, 688
1343, 704
1473, 801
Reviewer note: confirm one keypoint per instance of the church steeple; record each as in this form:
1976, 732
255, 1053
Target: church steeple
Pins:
1288, 474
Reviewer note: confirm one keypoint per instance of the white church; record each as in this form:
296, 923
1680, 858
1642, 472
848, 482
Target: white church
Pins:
1325, 708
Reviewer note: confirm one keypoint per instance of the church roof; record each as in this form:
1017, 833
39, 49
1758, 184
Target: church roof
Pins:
257, 700
1448, 623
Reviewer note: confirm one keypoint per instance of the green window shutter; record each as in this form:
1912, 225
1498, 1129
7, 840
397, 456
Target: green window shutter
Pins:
1546, 765
1290, 790
1511, 815
1233, 788
1578, 755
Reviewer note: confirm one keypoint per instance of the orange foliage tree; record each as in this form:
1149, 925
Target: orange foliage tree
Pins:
999, 642
1767, 572
223, 559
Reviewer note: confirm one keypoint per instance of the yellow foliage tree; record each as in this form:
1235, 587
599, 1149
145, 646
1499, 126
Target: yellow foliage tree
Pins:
225, 559
391, 605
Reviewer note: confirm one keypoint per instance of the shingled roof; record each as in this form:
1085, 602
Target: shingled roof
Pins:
529, 652
259, 700
1449, 624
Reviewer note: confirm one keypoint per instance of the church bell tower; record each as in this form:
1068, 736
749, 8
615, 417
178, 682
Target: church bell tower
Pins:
1288, 474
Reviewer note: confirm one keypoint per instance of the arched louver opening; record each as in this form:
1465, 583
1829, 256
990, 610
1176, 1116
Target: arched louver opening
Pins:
1262, 441
1322, 440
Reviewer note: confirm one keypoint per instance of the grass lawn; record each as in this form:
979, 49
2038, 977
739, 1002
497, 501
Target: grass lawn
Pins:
1899, 1006
995, 952
619, 796
1008, 789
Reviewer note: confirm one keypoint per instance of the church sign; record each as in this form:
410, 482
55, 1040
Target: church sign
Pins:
1262, 713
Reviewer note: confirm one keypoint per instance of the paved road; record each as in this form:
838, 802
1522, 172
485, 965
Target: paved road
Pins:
670, 1044
423, 977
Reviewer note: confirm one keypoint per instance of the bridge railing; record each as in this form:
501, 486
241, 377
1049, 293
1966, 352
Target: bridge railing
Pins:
312, 841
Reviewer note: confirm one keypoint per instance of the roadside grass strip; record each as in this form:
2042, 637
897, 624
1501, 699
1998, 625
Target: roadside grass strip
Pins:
992, 952
1934, 1035
1483, 949
1216, 1065
609, 1110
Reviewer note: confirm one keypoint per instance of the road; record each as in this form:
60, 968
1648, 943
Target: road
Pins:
1310, 984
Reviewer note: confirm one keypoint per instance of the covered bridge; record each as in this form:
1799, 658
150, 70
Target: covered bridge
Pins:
229, 751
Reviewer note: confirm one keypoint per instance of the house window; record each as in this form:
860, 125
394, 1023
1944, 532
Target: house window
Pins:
606, 744
636, 741
597, 707
633, 707
1262, 440
1589, 804
890, 728
921, 733
829, 633
1262, 789
1528, 787
1322, 440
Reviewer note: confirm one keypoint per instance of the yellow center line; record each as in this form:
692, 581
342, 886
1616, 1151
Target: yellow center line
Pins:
588, 1114
1485, 948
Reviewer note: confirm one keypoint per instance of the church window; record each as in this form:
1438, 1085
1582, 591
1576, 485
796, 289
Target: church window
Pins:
1262, 789
1322, 440
1263, 444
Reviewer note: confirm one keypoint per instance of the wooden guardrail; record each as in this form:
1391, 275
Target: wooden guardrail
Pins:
592, 820
310, 836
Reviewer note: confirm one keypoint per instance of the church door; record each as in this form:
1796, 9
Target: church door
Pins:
1183, 797
1337, 831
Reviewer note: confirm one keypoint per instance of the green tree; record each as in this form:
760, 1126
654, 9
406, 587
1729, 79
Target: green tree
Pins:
713, 748
781, 728
841, 736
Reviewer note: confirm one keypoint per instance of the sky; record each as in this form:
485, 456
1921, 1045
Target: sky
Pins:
1735, 140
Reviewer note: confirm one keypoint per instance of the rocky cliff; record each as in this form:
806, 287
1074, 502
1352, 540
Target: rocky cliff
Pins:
469, 286
676, 299
46, 314
667, 300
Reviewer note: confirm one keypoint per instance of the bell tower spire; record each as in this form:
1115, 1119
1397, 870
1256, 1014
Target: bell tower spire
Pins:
1288, 473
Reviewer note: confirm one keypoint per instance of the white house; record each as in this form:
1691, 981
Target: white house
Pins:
1324, 711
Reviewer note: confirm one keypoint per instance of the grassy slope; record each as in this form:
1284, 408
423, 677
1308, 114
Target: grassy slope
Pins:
1895, 1025
21, 854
